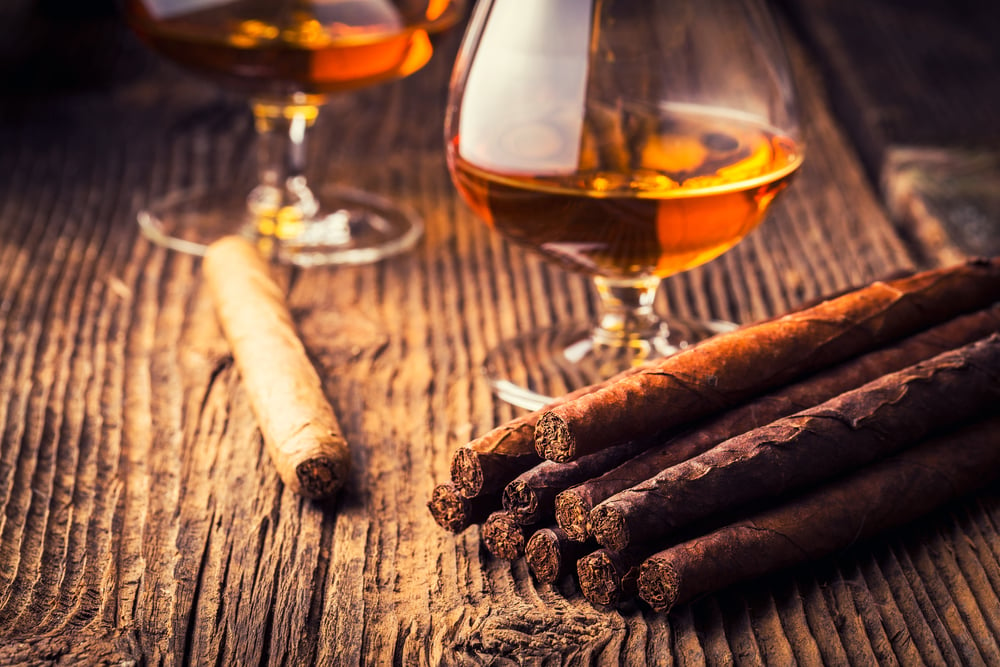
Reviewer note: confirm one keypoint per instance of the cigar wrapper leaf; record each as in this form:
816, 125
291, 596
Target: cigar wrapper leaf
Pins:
830, 518
297, 422
733, 367
848, 431
572, 506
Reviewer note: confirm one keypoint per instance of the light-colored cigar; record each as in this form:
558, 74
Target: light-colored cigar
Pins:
299, 426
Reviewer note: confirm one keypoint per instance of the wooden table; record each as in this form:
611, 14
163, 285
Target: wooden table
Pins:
141, 521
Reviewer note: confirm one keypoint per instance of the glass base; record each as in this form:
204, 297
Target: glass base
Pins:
348, 226
531, 370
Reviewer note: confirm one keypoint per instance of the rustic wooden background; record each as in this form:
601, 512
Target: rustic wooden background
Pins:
140, 521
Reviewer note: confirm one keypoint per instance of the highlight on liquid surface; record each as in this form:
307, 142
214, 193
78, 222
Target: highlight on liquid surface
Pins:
648, 197
314, 47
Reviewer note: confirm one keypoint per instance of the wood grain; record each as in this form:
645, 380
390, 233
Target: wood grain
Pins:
140, 519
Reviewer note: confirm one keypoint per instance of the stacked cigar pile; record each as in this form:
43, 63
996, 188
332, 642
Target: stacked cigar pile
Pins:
775, 444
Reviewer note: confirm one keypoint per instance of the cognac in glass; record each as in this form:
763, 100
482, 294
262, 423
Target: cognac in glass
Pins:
288, 57
628, 140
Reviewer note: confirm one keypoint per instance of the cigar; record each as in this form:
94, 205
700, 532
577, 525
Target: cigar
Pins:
489, 462
844, 433
454, 512
874, 499
299, 427
503, 536
730, 368
608, 578
551, 554
573, 506
530, 497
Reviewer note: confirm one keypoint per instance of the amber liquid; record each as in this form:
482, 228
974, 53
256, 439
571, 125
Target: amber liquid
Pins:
314, 47
659, 203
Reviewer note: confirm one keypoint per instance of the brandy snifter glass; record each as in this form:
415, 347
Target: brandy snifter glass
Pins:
289, 57
628, 140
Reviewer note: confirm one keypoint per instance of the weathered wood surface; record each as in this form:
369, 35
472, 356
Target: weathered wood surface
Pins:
140, 521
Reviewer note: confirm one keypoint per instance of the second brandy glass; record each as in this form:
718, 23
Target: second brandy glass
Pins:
288, 57
625, 139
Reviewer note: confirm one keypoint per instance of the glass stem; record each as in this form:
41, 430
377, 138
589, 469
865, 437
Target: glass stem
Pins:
282, 200
627, 317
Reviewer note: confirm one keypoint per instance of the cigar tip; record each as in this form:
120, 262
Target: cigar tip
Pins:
658, 583
320, 477
543, 556
553, 439
503, 537
450, 510
521, 501
609, 526
571, 515
599, 579
467, 472
227, 247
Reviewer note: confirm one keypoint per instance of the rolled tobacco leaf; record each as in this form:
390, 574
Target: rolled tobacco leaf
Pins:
846, 432
503, 536
493, 459
551, 554
454, 512
490, 461
608, 578
887, 494
730, 368
530, 496
297, 422
572, 506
